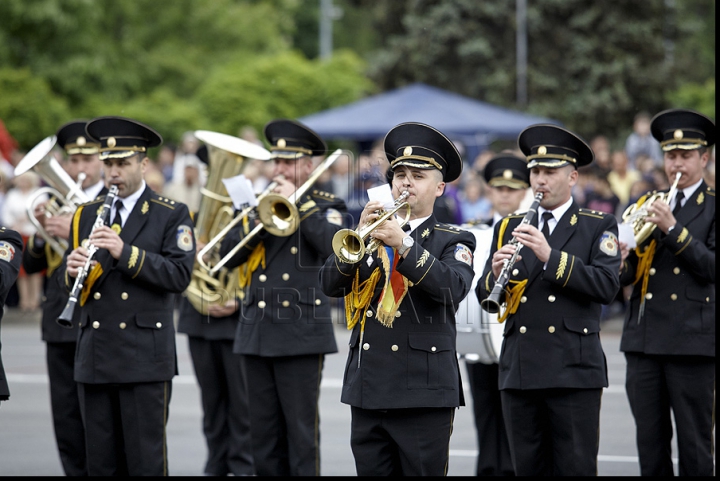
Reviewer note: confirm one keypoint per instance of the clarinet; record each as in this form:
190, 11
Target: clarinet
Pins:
65, 319
492, 304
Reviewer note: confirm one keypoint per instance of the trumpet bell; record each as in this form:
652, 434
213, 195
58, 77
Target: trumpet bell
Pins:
348, 246
279, 216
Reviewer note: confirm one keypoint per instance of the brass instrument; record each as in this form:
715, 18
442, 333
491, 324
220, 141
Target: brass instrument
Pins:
492, 303
636, 214
278, 215
227, 157
349, 245
65, 194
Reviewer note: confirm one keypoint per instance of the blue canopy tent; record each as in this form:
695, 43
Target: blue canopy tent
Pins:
473, 123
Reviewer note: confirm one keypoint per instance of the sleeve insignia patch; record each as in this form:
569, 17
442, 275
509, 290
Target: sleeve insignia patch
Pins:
333, 216
463, 254
134, 254
7, 251
184, 238
609, 244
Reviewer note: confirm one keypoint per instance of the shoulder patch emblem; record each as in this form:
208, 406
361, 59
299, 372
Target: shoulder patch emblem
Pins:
7, 251
463, 254
333, 216
184, 238
609, 244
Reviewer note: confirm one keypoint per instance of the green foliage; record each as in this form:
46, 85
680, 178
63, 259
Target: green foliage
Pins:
259, 89
700, 97
28, 108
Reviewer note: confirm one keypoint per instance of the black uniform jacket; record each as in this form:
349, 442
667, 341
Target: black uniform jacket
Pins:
126, 325
11, 246
195, 324
553, 340
679, 315
413, 363
284, 313
37, 258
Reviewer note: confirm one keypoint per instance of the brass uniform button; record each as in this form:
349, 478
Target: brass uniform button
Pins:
366, 346
262, 277
261, 304
433, 349
368, 313
97, 296
551, 329
397, 314
285, 303
96, 325
158, 325
124, 296
648, 296
515, 272
707, 299
551, 298
394, 347
652, 271
676, 270
585, 330
523, 299
285, 277
318, 302
673, 297
123, 325
523, 330
293, 250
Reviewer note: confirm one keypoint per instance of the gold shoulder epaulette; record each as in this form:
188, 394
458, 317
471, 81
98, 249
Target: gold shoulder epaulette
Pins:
96, 200
710, 191
164, 201
592, 213
516, 216
322, 194
448, 228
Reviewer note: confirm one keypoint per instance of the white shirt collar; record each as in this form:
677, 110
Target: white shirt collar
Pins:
415, 223
688, 191
129, 202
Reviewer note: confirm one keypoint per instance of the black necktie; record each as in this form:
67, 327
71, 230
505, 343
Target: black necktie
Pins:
547, 215
117, 219
678, 202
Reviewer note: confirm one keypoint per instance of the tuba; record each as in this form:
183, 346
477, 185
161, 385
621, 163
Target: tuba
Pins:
227, 157
349, 245
636, 214
65, 194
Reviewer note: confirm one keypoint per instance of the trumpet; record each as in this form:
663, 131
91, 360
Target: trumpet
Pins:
492, 303
349, 245
65, 319
278, 215
636, 214
66, 195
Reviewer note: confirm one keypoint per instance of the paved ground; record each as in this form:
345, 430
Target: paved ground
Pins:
26, 436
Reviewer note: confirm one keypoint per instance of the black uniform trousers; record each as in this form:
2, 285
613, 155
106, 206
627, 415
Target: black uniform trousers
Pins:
493, 448
65, 403
655, 385
223, 393
559, 424
401, 442
125, 422
287, 444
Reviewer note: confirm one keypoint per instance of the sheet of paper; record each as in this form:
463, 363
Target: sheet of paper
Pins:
626, 235
383, 193
240, 190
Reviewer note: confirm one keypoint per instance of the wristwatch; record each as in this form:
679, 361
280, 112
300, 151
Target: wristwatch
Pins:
407, 243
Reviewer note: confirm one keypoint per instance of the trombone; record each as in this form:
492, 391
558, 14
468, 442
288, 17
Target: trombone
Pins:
349, 245
66, 195
278, 215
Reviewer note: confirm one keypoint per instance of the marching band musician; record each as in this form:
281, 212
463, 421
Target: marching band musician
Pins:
402, 377
669, 331
285, 327
552, 367
11, 245
508, 181
126, 358
60, 342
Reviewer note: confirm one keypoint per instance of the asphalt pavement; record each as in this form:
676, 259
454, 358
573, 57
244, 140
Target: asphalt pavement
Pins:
27, 446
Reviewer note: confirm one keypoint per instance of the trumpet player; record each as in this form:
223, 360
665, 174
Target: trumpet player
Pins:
552, 367
285, 328
669, 331
125, 357
402, 378
82, 158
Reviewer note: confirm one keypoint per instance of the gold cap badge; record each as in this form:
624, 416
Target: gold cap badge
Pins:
281, 143
407, 151
542, 150
507, 174
81, 141
678, 134
111, 142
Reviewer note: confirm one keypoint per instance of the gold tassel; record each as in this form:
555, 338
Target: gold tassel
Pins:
513, 295
246, 270
358, 300
643, 270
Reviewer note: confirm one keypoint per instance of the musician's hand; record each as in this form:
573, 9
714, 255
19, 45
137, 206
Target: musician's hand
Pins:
39, 213
529, 236
284, 187
369, 213
199, 245
76, 259
59, 225
500, 256
230, 307
105, 238
389, 233
624, 252
663, 217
